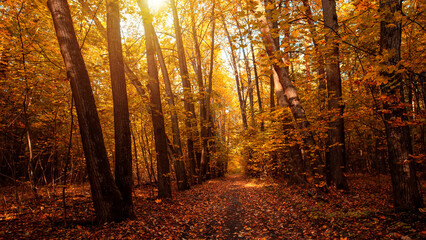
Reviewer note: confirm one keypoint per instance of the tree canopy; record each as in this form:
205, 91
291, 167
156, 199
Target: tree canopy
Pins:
124, 94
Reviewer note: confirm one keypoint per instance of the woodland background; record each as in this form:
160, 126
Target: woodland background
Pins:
258, 96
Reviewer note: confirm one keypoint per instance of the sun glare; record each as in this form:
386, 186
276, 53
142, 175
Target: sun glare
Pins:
156, 5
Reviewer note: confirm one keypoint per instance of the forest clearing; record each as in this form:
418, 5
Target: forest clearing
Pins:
211, 119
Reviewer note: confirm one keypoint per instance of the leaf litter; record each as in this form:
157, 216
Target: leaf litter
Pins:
234, 207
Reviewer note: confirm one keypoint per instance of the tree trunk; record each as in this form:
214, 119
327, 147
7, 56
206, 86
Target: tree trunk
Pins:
135, 152
250, 89
248, 72
188, 100
237, 77
336, 154
105, 194
130, 74
273, 24
258, 94
181, 178
292, 99
322, 87
272, 90
322, 84
163, 167
145, 146
4, 62
286, 32
293, 152
404, 180
123, 142
209, 112
203, 109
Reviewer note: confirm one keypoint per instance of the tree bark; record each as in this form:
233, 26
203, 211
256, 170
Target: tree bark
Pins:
145, 146
130, 74
209, 112
181, 177
135, 152
203, 109
273, 25
322, 84
272, 90
322, 87
163, 167
106, 197
336, 155
292, 99
4, 62
123, 142
187, 94
237, 77
174, 148
406, 192
293, 152
250, 89
248, 72
258, 94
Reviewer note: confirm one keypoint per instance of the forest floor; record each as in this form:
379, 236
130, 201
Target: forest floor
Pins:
230, 208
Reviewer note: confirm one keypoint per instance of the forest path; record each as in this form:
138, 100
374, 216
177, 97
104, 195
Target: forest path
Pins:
248, 214
236, 208
233, 207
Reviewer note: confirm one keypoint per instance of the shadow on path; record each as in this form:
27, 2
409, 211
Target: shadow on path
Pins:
234, 213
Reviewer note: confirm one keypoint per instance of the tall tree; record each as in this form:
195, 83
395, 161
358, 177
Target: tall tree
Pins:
248, 73
187, 94
123, 144
236, 76
176, 149
181, 177
202, 164
322, 87
209, 114
163, 166
291, 97
129, 72
406, 194
271, 91
274, 82
106, 197
256, 81
336, 155
322, 84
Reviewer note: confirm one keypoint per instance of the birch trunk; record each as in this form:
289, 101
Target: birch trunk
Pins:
292, 99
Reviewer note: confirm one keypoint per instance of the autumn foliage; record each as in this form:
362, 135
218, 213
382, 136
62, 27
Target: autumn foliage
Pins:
153, 104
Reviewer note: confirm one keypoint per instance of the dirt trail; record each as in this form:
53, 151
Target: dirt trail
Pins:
227, 208
230, 208
234, 213
238, 208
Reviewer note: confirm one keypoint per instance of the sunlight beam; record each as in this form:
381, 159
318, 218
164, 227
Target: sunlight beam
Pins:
155, 5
